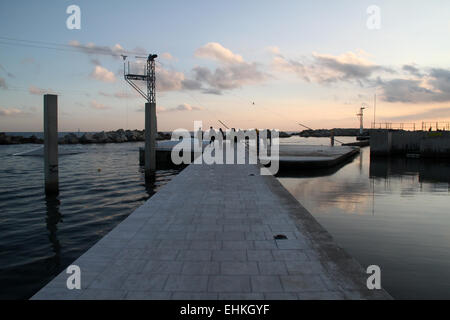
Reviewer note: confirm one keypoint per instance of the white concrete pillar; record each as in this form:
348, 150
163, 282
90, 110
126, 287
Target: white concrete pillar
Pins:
150, 139
51, 143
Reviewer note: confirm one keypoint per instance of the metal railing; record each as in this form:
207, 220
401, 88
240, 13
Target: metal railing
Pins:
435, 126
413, 126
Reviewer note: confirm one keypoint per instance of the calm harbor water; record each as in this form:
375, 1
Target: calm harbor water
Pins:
39, 235
391, 213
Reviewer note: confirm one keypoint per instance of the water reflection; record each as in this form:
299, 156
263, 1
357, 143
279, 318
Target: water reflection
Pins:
149, 182
53, 217
426, 169
290, 171
391, 212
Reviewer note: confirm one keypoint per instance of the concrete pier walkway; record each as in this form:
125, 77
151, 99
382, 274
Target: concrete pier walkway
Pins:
209, 234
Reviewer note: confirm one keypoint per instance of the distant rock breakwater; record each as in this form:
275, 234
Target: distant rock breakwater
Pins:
117, 136
342, 132
121, 135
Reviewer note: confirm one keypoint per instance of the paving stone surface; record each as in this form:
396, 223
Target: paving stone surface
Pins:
209, 234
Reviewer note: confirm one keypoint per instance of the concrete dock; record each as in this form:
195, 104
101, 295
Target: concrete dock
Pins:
309, 156
290, 155
209, 234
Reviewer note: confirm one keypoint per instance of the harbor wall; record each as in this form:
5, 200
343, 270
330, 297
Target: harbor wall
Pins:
436, 146
426, 144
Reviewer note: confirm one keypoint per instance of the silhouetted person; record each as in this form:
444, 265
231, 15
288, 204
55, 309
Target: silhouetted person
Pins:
212, 133
235, 137
257, 141
199, 134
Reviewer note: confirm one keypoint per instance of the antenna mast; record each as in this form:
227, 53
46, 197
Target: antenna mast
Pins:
148, 77
374, 108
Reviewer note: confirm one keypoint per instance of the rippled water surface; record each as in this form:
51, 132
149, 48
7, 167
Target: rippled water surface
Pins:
39, 235
394, 213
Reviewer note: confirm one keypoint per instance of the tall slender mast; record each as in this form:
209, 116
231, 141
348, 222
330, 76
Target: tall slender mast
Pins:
374, 108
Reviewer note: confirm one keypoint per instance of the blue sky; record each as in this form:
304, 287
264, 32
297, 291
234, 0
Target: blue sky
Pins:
313, 62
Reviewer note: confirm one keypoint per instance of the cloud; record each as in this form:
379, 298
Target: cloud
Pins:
40, 91
91, 48
216, 51
187, 107
326, 68
115, 51
168, 80
282, 64
102, 74
347, 66
6, 112
440, 81
415, 86
411, 70
117, 48
93, 51
190, 84
98, 106
273, 50
212, 91
171, 80
229, 77
167, 56
119, 95
405, 90
431, 114
232, 73
3, 83
433, 86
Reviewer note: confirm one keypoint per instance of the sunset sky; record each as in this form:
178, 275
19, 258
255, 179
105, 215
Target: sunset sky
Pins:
313, 62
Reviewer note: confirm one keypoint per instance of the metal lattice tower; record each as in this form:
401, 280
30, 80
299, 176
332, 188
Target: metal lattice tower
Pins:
148, 77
